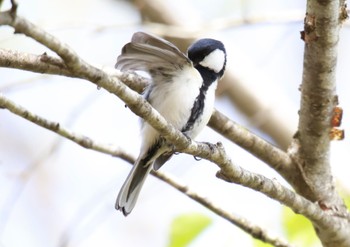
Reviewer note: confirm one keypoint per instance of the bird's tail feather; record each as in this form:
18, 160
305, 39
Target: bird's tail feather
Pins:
131, 188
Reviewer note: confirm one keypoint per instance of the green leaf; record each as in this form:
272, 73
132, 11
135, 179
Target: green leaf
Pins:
299, 229
186, 227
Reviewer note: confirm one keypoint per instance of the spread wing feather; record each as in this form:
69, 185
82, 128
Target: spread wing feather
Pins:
146, 52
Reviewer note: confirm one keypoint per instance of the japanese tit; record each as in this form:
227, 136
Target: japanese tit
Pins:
182, 91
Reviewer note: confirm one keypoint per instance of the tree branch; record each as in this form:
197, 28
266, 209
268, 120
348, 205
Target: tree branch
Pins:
271, 155
46, 64
43, 64
252, 229
318, 96
318, 99
81, 140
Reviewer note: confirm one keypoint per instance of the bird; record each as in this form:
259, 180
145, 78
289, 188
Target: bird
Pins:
182, 90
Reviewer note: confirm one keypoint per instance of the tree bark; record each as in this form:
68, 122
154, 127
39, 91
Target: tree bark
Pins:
318, 99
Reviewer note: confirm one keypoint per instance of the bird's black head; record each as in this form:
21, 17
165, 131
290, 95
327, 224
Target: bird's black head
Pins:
208, 54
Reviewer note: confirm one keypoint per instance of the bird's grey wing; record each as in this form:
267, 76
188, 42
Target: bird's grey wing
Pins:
145, 38
146, 53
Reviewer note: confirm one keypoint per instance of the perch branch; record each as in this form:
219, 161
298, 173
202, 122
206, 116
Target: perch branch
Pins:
318, 99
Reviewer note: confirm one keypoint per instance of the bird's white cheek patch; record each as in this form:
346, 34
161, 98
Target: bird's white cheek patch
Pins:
214, 60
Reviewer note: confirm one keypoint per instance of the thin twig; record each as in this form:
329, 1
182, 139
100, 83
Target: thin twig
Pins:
26, 175
247, 226
82, 140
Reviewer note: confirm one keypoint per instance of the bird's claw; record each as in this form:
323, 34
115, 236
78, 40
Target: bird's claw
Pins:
210, 145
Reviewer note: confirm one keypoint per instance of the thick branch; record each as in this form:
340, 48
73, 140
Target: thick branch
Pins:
318, 99
318, 96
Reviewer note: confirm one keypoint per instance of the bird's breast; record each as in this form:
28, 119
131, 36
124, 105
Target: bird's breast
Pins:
174, 100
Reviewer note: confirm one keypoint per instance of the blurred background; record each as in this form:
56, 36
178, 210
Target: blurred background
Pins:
56, 193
